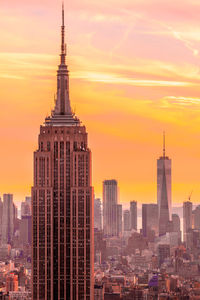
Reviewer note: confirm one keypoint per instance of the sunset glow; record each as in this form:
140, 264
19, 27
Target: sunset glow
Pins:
134, 73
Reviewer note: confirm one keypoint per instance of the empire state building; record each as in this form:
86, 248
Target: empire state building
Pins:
62, 202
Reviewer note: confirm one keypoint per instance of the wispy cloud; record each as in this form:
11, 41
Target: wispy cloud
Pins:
11, 76
113, 79
183, 101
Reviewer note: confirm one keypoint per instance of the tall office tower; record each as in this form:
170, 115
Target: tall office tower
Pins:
26, 207
127, 220
62, 202
149, 219
1, 216
196, 214
164, 191
187, 219
176, 223
97, 214
8, 219
25, 229
110, 207
133, 211
119, 220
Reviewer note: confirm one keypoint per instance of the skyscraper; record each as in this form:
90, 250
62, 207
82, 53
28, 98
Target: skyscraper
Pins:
1, 217
8, 218
164, 191
26, 207
196, 214
97, 214
62, 202
149, 219
127, 220
176, 223
133, 211
112, 211
118, 219
187, 219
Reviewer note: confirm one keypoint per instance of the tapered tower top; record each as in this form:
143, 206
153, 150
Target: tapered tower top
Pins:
164, 148
62, 114
163, 144
63, 45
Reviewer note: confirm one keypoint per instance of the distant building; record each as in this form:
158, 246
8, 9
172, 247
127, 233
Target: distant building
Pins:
119, 219
12, 283
164, 191
176, 223
5, 251
196, 214
127, 220
1, 216
99, 246
26, 230
133, 214
163, 253
187, 219
26, 207
149, 219
110, 200
97, 214
99, 292
8, 219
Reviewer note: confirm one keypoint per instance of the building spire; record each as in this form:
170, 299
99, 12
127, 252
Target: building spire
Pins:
63, 46
163, 143
62, 113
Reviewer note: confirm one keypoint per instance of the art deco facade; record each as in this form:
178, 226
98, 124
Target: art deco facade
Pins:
164, 191
62, 203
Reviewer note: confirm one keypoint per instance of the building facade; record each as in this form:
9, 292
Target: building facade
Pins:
97, 214
196, 217
176, 223
25, 229
187, 219
149, 219
164, 191
127, 220
133, 212
62, 202
110, 199
8, 218
26, 207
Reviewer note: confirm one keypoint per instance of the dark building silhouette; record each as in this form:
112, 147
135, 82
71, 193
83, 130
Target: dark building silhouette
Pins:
62, 202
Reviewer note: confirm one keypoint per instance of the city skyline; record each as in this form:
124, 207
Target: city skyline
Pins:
136, 90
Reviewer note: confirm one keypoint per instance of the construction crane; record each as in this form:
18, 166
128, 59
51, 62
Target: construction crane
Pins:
189, 198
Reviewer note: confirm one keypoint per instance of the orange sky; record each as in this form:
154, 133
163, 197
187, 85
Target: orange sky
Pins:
134, 72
